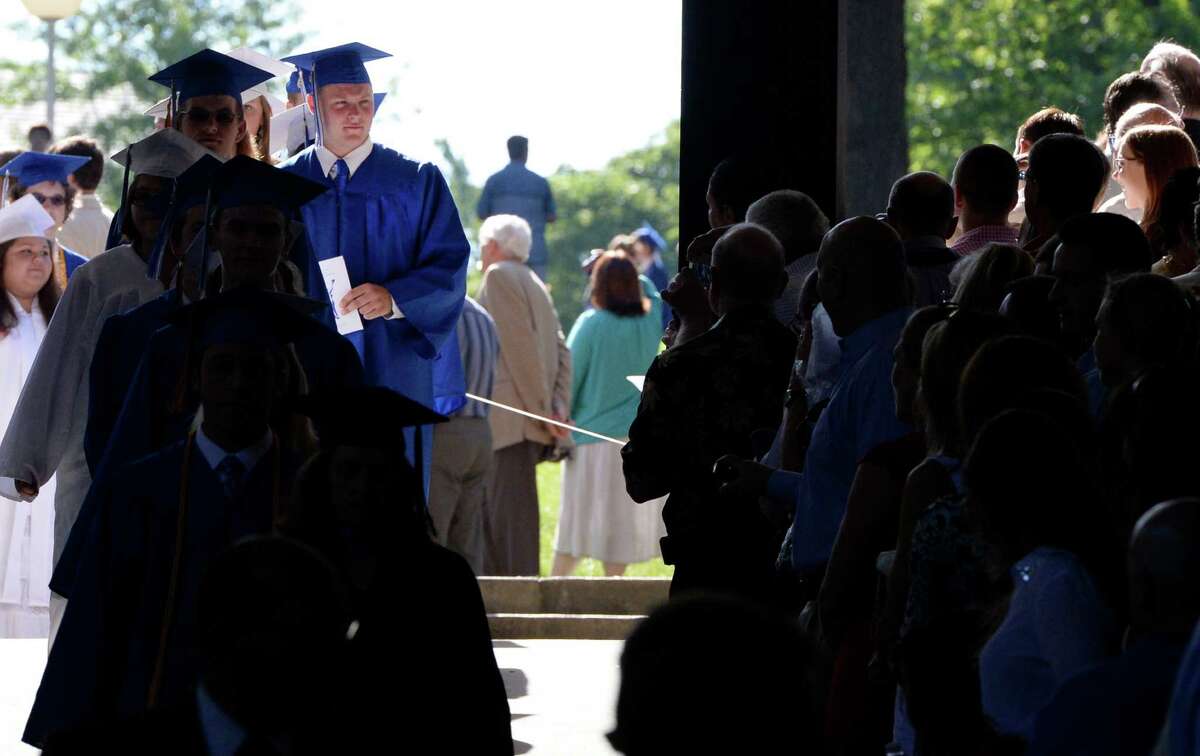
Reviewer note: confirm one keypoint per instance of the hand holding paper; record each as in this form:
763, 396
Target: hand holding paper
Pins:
337, 283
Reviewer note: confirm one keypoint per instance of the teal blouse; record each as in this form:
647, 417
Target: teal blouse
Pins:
605, 349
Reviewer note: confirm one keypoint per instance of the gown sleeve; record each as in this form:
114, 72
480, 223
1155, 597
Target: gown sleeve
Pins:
431, 292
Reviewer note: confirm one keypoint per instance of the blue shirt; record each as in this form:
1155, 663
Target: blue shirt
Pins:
479, 345
1057, 625
1183, 723
516, 190
860, 416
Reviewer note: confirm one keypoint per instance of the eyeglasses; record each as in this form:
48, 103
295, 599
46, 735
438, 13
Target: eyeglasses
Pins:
201, 116
57, 200
703, 273
1120, 161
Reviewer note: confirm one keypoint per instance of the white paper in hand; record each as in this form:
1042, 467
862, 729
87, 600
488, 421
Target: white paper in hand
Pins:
337, 283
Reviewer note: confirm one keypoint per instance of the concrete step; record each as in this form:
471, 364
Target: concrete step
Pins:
511, 626
573, 595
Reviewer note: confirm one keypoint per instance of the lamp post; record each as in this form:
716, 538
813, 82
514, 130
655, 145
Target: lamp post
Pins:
51, 11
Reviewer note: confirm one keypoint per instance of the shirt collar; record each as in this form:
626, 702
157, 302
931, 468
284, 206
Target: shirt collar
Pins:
222, 734
882, 331
353, 160
19, 311
249, 457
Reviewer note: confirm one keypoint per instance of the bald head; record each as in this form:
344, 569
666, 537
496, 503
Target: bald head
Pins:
921, 204
1164, 568
747, 268
861, 273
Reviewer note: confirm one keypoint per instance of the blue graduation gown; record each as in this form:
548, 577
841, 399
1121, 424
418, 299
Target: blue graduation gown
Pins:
151, 418
74, 260
104, 655
396, 225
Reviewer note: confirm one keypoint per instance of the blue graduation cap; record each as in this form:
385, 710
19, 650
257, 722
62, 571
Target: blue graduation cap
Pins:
647, 234
209, 72
343, 64
35, 167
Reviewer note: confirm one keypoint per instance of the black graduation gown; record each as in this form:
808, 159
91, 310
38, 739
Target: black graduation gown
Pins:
106, 651
115, 360
423, 627
152, 417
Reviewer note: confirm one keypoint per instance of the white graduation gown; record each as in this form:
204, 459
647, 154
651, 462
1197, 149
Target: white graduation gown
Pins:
45, 436
26, 527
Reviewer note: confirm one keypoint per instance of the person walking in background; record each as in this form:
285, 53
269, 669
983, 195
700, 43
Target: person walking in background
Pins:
86, 230
462, 447
516, 190
26, 528
615, 339
40, 138
533, 374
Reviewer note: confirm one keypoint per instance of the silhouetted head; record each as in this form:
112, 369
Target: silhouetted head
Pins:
1164, 569
985, 184
1145, 320
793, 218
995, 268
518, 149
921, 204
1092, 250
1065, 176
861, 272
747, 269
712, 674
732, 187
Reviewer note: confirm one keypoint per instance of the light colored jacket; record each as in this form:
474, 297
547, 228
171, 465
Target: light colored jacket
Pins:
534, 369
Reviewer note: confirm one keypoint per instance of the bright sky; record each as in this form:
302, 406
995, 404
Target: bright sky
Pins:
584, 81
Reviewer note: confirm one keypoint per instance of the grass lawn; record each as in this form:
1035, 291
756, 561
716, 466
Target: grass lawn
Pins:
549, 478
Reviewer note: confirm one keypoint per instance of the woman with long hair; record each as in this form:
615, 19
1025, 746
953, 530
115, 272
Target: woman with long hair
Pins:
615, 340
1146, 158
27, 527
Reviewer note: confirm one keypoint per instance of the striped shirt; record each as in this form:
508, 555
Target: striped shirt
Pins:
979, 237
479, 346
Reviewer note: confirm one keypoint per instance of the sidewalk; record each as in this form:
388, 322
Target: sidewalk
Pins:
562, 693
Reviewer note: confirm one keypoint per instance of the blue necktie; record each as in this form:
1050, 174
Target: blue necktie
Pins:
232, 473
341, 174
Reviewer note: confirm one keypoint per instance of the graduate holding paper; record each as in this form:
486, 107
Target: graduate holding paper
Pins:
394, 222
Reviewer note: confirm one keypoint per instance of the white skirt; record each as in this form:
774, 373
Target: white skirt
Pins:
597, 518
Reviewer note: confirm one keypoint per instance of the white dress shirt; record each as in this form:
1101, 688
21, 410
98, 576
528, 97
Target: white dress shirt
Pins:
214, 455
353, 159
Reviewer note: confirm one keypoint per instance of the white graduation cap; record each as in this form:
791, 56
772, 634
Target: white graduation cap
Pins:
25, 217
166, 153
268, 64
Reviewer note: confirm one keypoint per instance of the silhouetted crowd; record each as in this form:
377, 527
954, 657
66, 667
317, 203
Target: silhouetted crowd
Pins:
923, 477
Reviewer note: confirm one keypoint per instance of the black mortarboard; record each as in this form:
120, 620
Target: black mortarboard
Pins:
245, 181
209, 72
369, 416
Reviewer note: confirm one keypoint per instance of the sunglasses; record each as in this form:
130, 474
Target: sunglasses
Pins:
57, 200
201, 116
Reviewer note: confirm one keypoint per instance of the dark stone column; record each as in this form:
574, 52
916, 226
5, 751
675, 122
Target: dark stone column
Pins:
814, 90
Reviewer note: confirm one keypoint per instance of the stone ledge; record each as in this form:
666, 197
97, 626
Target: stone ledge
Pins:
573, 595
512, 626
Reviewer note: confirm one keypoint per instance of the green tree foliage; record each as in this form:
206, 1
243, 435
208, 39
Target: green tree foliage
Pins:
593, 206
638, 187
978, 68
114, 44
